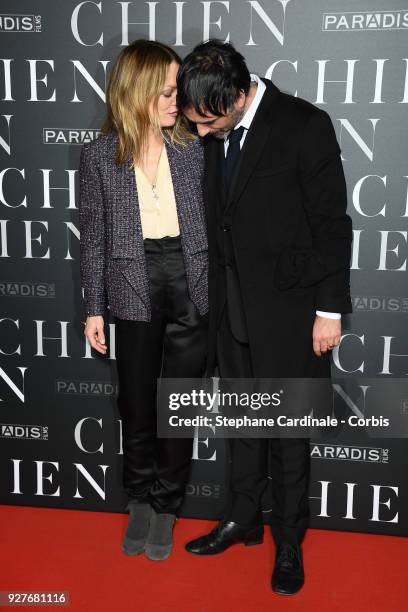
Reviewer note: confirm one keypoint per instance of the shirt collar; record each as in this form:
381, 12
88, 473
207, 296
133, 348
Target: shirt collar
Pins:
249, 115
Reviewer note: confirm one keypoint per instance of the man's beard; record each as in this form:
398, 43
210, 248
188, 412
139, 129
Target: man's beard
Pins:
234, 118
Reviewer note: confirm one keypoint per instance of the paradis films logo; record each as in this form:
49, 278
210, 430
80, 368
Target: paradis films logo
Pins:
69, 136
23, 432
20, 23
27, 289
87, 387
379, 303
368, 454
365, 20
203, 489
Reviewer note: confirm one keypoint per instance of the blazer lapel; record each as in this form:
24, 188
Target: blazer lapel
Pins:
127, 238
127, 227
254, 143
188, 194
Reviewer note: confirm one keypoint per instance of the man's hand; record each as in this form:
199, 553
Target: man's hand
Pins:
326, 334
95, 334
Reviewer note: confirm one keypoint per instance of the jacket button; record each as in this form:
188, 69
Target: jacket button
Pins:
226, 227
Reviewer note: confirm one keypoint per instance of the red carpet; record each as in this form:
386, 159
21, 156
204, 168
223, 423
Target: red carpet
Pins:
79, 552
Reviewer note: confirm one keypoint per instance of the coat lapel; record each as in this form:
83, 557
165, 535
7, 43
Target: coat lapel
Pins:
213, 185
213, 189
254, 143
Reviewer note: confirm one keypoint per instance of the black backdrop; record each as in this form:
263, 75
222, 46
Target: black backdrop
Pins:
60, 432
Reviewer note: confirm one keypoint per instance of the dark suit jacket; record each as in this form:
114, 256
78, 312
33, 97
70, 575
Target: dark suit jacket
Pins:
113, 266
291, 236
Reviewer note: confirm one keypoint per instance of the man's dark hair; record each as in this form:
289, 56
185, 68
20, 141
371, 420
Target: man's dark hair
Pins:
211, 78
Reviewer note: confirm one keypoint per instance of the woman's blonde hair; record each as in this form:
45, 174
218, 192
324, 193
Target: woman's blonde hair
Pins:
137, 78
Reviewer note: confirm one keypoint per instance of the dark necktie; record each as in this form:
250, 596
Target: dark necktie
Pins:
233, 151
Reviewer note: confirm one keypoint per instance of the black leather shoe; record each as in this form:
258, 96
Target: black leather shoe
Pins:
288, 575
224, 535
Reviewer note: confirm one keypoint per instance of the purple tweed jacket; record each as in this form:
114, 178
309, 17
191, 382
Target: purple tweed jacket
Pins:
112, 260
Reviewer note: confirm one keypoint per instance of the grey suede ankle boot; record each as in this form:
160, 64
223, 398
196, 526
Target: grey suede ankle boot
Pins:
136, 533
160, 537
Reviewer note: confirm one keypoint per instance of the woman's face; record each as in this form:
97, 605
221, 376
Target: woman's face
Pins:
166, 105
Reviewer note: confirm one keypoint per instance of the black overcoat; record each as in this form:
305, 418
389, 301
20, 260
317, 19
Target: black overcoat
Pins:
286, 211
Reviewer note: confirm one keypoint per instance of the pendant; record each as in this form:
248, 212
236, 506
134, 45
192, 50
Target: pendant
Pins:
155, 195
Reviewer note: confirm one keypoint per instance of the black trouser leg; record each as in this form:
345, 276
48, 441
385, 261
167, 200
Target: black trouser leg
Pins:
173, 344
290, 472
289, 460
248, 470
139, 348
184, 356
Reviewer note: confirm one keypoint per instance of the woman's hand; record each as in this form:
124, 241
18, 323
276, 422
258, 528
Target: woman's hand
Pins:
95, 334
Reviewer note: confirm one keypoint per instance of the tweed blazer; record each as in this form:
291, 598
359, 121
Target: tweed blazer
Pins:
112, 258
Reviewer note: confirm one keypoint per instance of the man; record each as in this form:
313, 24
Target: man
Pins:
279, 250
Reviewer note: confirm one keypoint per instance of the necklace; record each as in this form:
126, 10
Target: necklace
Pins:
154, 183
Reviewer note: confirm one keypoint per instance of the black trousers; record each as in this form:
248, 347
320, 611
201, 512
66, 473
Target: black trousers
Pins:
173, 345
252, 459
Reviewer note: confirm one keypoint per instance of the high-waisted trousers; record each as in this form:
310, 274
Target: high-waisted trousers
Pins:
173, 345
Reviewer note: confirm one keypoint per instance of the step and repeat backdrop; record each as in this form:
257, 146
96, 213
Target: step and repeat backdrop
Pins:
60, 436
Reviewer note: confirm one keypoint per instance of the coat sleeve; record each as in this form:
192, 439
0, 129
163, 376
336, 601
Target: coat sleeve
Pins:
325, 196
92, 234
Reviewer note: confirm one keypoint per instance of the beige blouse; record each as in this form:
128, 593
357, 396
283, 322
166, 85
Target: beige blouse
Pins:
158, 211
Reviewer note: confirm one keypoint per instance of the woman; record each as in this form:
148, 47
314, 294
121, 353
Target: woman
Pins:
144, 253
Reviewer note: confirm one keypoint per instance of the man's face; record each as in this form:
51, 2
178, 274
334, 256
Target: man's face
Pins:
213, 124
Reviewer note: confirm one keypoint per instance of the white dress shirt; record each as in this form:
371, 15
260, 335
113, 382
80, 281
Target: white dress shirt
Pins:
246, 123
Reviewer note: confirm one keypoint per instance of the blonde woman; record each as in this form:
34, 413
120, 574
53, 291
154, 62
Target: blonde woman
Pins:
144, 254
